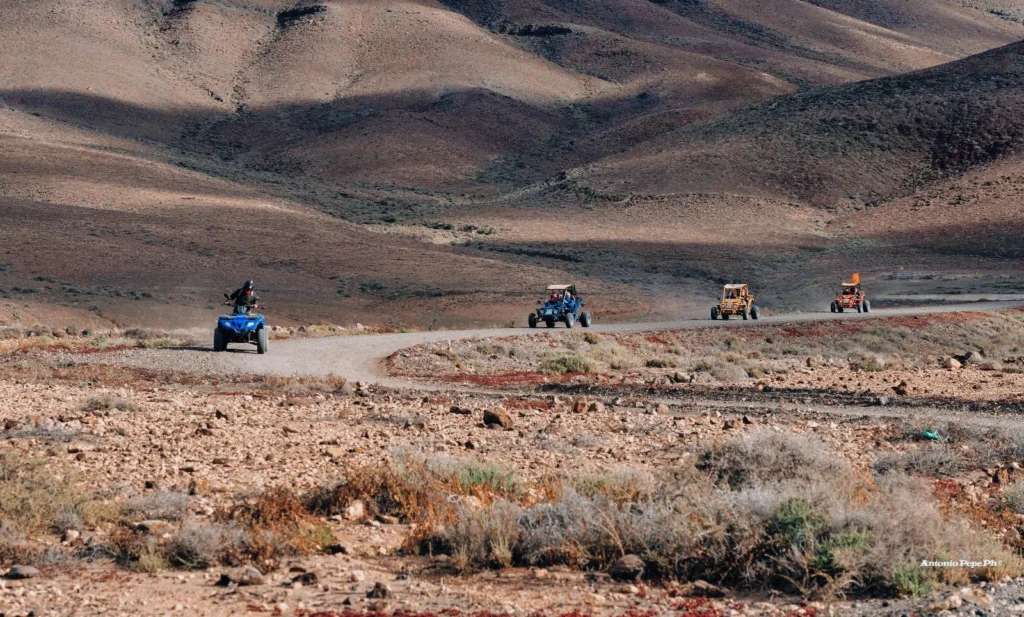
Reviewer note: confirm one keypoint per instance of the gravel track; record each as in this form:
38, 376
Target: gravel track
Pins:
361, 357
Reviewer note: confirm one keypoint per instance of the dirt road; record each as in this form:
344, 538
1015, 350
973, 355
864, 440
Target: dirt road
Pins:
360, 357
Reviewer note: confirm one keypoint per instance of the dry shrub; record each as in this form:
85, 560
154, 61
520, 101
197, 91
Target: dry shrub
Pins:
1014, 495
134, 550
162, 505
202, 544
34, 496
276, 524
261, 529
622, 486
109, 402
930, 461
409, 492
568, 363
769, 456
768, 511
303, 384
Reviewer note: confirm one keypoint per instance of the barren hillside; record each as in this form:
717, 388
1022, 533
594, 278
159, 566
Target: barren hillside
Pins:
496, 144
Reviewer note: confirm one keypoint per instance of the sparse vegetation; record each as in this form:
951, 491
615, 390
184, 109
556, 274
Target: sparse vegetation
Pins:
807, 533
568, 363
109, 403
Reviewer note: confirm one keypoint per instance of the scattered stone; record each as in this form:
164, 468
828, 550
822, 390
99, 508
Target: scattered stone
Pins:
595, 407
951, 364
976, 597
662, 409
356, 511
627, 568
462, 411
580, 406
357, 576
702, 589
377, 606
990, 366
973, 357
306, 578
416, 423
469, 445
155, 527
380, 591
22, 572
338, 549
498, 417
243, 576
387, 519
747, 420
540, 573
902, 388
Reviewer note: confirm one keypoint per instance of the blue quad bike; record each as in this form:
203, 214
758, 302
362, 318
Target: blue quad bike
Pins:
559, 309
241, 327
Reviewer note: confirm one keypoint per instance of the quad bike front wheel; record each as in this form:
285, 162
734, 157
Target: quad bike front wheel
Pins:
585, 320
532, 320
262, 338
220, 343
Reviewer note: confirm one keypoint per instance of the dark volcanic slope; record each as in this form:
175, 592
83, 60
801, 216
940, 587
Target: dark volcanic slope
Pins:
861, 143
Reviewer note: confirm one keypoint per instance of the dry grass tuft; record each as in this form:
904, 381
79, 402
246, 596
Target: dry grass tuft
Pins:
108, 403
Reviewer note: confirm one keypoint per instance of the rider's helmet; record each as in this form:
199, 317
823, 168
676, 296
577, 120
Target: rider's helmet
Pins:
248, 286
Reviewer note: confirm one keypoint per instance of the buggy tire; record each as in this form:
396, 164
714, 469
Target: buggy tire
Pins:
549, 322
833, 307
725, 317
840, 309
860, 307
262, 338
755, 313
714, 313
532, 320
867, 306
585, 319
569, 320
219, 342
746, 312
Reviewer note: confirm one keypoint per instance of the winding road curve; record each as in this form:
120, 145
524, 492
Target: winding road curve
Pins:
361, 357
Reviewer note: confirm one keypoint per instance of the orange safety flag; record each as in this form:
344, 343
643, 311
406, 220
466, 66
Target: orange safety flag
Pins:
855, 279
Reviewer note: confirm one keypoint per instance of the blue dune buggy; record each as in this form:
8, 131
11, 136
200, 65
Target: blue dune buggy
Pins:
562, 305
241, 327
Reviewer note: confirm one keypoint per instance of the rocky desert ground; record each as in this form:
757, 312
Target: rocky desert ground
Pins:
785, 468
402, 179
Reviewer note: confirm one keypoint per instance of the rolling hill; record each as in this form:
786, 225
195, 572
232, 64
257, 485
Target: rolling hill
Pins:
426, 162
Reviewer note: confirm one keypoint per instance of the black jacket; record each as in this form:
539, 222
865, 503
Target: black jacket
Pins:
238, 298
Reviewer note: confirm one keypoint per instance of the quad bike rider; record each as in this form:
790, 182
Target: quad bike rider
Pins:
244, 298
241, 326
